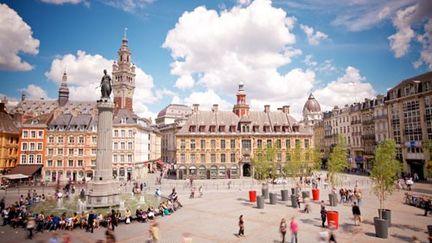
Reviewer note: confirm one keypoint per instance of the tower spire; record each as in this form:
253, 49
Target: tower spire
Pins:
63, 93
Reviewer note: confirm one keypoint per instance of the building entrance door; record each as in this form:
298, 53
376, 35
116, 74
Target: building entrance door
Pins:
74, 176
246, 170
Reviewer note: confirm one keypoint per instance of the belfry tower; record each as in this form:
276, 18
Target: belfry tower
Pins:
241, 108
123, 73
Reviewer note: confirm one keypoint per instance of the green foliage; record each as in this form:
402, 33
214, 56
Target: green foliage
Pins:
385, 169
293, 166
337, 161
313, 159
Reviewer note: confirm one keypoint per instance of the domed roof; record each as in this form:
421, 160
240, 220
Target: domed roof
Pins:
312, 105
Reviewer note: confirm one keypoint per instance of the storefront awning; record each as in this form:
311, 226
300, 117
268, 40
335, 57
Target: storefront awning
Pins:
28, 170
14, 176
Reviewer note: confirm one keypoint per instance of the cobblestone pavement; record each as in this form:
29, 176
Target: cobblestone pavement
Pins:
214, 218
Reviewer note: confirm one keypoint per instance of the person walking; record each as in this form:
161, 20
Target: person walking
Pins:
427, 207
154, 232
323, 213
90, 221
31, 223
113, 219
241, 226
283, 229
356, 213
294, 230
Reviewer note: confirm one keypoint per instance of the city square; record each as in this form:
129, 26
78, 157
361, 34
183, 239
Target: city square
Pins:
215, 121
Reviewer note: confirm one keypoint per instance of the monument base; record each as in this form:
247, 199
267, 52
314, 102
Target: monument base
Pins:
103, 194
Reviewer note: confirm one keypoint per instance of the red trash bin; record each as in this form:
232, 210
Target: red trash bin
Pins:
333, 219
315, 194
252, 196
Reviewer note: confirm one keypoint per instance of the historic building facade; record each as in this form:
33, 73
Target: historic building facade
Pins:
220, 144
410, 121
9, 137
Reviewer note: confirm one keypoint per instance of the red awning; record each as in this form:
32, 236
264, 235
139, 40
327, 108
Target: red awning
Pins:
160, 162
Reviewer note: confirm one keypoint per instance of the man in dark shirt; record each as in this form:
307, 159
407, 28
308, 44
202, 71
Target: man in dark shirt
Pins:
90, 221
356, 213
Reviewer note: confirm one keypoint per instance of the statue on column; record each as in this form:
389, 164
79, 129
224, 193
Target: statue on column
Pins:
106, 85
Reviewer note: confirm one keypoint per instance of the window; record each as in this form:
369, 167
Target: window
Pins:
40, 134
59, 163
192, 158
122, 158
49, 163
31, 159
130, 145
223, 144
130, 133
50, 151
222, 158
269, 143
306, 143
213, 158
93, 162
25, 134
94, 140
80, 152
259, 143
71, 151
38, 159
122, 145
50, 139
93, 151
232, 143
33, 134
60, 151
202, 158
288, 144
32, 146
24, 146
202, 144
80, 163
71, 140
39, 146
23, 159
81, 140
182, 158
129, 157
279, 157
115, 145
123, 133
116, 133
60, 140
233, 157
70, 163
115, 158
182, 144
192, 143
278, 144
212, 144
298, 142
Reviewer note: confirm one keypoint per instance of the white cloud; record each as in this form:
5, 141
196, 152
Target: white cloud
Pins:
35, 92
60, 2
350, 88
128, 5
15, 37
243, 2
400, 41
85, 71
185, 82
206, 100
426, 41
314, 37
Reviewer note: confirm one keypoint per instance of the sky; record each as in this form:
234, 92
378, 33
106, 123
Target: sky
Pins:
197, 51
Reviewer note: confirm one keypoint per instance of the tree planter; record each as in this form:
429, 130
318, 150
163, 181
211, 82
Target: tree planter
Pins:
265, 192
273, 198
294, 201
386, 214
293, 190
284, 195
315, 194
252, 196
381, 228
333, 219
333, 199
260, 202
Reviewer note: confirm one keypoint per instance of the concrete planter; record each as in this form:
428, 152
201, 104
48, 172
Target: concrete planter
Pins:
294, 201
284, 195
333, 199
386, 214
265, 192
293, 190
381, 228
260, 202
273, 198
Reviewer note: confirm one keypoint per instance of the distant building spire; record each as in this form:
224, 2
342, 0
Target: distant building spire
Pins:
63, 93
241, 108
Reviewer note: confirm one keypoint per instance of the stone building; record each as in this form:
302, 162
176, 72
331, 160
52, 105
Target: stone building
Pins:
409, 107
220, 144
357, 146
9, 136
311, 111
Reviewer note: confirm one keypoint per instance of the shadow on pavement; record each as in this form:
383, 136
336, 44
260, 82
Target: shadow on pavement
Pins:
402, 237
406, 226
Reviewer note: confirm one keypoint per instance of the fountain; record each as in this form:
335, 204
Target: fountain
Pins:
81, 206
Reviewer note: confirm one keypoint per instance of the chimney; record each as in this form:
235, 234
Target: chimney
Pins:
266, 108
285, 109
23, 97
215, 108
195, 108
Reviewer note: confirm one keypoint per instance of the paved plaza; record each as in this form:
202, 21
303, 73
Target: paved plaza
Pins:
214, 218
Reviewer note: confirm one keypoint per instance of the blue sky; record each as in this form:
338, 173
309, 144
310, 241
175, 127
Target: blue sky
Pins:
198, 51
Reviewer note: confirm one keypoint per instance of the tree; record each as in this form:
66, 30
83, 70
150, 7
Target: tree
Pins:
313, 160
337, 161
293, 164
260, 165
384, 170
